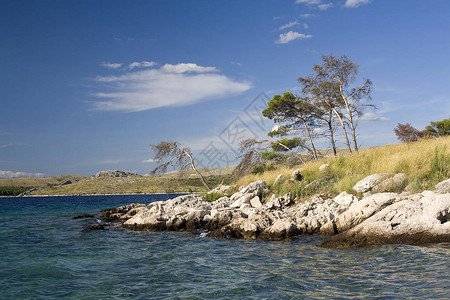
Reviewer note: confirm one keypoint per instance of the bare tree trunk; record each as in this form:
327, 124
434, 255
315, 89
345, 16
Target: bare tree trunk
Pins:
343, 129
288, 149
310, 139
333, 144
199, 174
350, 117
355, 145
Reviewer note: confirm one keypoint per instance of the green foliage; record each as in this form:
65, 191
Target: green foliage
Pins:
439, 128
440, 169
12, 190
282, 130
289, 143
261, 168
271, 155
211, 197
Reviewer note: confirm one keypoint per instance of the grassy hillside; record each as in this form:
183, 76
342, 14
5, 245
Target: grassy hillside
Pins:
135, 185
15, 186
34, 182
425, 163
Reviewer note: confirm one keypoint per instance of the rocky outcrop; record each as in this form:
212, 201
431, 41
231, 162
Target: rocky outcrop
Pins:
379, 183
417, 219
443, 187
251, 213
243, 215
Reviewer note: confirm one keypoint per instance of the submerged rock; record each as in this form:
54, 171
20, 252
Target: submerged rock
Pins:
94, 227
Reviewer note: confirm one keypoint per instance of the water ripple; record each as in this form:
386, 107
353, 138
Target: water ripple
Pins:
45, 255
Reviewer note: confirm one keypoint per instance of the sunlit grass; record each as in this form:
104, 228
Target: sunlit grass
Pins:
425, 163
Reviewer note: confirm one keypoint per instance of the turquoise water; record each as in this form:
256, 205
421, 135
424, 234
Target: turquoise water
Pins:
44, 255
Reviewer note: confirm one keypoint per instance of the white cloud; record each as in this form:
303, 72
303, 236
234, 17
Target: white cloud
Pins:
306, 16
171, 85
111, 65
308, 2
276, 18
236, 63
325, 6
290, 36
288, 25
150, 160
372, 117
305, 26
184, 68
10, 174
275, 128
142, 64
355, 3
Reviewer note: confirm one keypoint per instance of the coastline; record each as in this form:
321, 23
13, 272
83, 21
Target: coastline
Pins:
348, 221
90, 195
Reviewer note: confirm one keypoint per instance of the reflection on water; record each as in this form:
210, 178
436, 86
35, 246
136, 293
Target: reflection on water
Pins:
45, 255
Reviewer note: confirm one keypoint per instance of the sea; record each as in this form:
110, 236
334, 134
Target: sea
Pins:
45, 255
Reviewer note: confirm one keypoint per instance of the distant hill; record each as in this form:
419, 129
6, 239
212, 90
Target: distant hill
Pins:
15, 186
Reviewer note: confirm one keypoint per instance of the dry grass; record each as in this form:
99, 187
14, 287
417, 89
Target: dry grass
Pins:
134, 185
425, 163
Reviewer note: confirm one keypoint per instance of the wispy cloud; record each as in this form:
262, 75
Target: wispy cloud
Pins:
288, 25
356, 3
372, 117
142, 64
11, 174
307, 16
291, 36
308, 2
187, 68
109, 65
171, 85
150, 160
325, 6
236, 63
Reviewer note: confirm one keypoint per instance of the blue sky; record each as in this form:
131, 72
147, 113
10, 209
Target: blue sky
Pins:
88, 85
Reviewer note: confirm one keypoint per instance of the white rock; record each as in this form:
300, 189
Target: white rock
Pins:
243, 199
255, 202
324, 166
443, 187
345, 199
359, 211
369, 182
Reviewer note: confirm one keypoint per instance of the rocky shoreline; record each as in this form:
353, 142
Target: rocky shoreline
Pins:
378, 218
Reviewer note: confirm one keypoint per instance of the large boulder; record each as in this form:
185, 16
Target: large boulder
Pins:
443, 187
417, 219
367, 184
358, 212
380, 183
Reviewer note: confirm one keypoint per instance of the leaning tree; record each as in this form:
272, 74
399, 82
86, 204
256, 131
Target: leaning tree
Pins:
343, 71
170, 154
326, 96
294, 112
